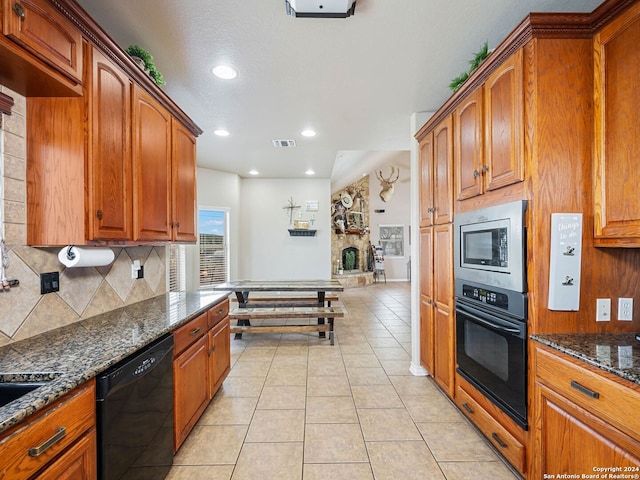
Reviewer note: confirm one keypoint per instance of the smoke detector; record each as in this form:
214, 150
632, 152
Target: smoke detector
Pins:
283, 143
321, 8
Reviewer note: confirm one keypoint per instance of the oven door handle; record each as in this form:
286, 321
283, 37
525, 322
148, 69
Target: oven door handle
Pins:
487, 323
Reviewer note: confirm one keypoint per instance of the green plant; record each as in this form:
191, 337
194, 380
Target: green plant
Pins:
150, 67
475, 62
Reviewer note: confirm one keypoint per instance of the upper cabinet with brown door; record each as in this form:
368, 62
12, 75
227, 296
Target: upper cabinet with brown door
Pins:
164, 174
109, 169
116, 165
40, 50
436, 163
617, 123
489, 135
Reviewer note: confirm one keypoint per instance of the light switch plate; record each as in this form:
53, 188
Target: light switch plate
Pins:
603, 309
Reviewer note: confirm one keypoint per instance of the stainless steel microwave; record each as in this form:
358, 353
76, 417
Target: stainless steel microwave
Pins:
490, 246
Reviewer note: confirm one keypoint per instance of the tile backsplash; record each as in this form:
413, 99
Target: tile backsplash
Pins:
84, 292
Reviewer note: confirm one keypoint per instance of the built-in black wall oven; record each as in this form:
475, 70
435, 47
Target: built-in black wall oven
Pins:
491, 305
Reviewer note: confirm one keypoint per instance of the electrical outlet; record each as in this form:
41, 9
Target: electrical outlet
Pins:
603, 309
49, 282
625, 309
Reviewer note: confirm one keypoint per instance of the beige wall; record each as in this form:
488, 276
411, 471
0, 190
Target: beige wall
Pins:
84, 292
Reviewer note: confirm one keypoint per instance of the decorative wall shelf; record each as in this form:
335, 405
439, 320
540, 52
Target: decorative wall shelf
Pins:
299, 232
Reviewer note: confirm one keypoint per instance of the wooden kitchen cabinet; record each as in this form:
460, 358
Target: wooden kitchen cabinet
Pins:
151, 168
468, 146
426, 179
616, 127
219, 355
437, 330
219, 346
426, 299
109, 169
481, 413
190, 376
65, 434
164, 174
436, 163
488, 132
504, 124
41, 51
39, 28
584, 417
443, 315
183, 183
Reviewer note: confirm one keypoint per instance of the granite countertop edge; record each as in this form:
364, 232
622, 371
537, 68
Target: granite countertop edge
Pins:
69, 356
600, 350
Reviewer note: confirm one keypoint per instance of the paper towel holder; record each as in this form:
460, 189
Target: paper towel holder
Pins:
70, 254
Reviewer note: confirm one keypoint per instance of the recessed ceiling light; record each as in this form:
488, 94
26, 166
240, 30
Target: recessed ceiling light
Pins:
225, 72
221, 133
310, 172
308, 133
253, 172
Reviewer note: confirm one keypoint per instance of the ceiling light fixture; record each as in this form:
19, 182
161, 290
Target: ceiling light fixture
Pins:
308, 133
320, 9
221, 133
225, 72
310, 172
253, 172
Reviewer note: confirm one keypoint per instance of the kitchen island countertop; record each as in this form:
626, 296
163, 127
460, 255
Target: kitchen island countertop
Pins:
616, 353
71, 355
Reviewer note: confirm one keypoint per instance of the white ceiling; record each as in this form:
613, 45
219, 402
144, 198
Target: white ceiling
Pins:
356, 81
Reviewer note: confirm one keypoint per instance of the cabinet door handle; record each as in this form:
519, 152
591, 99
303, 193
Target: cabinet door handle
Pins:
476, 174
485, 169
99, 214
177, 224
467, 407
495, 436
59, 435
195, 331
18, 10
585, 390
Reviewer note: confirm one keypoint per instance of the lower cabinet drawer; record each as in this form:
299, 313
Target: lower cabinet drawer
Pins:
189, 333
610, 399
217, 313
506, 443
30, 448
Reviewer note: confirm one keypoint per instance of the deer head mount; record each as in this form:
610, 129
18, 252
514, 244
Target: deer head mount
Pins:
387, 183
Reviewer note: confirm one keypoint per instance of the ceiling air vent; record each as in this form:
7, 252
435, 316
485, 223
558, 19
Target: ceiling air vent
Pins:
284, 143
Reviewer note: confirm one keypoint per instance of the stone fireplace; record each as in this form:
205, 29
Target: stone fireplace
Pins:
354, 240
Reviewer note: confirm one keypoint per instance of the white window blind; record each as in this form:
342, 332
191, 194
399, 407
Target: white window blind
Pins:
177, 268
214, 246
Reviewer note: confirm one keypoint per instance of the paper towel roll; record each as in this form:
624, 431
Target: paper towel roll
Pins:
72, 256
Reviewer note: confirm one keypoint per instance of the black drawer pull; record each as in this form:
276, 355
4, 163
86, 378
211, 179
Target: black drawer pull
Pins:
467, 407
195, 331
584, 390
59, 435
495, 436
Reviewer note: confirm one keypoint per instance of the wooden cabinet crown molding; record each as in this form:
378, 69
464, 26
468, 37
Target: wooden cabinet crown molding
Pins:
96, 35
534, 25
6, 102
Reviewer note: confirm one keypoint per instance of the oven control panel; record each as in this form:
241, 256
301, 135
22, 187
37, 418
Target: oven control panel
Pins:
484, 295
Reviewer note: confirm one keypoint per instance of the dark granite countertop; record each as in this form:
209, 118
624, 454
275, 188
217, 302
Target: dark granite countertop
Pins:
617, 353
71, 355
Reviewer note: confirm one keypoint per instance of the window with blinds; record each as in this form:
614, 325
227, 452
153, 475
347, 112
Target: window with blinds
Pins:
214, 246
177, 268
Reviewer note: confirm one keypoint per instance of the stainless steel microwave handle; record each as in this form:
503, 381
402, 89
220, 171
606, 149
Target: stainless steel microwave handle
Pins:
488, 323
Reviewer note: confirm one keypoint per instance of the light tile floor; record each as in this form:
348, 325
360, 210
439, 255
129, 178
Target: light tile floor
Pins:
294, 407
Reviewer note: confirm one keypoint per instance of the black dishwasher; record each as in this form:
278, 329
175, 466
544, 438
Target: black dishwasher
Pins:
135, 415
